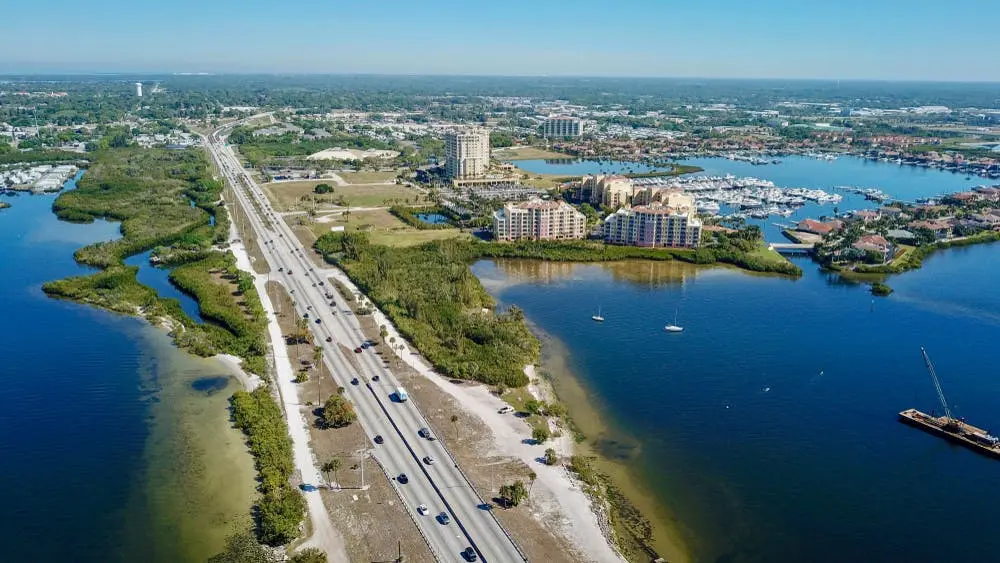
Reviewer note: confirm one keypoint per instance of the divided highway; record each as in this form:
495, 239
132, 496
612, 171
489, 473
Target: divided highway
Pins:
440, 486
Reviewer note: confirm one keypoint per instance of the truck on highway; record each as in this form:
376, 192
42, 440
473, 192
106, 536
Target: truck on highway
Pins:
401, 395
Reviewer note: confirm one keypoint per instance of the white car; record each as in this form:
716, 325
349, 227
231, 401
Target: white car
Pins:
506, 410
422, 510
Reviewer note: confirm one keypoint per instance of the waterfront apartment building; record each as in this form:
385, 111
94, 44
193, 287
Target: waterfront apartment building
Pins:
467, 152
654, 225
612, 191
562, 126
537, 219
671, 197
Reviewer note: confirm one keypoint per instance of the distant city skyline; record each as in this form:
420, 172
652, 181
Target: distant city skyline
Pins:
852, 39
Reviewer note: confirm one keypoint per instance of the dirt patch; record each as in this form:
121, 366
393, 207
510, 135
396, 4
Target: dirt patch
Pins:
375, 525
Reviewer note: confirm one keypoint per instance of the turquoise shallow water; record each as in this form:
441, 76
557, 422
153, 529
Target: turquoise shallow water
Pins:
769, 425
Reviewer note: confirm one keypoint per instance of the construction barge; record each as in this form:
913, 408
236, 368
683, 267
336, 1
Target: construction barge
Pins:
953, 430
948, 427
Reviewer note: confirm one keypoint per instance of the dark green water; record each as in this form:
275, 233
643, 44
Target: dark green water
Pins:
768, 427
110, 450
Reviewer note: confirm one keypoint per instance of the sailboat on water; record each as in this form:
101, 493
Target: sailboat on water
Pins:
598, 316
674, 327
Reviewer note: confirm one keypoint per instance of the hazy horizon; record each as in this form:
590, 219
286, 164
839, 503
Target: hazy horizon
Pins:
770, 39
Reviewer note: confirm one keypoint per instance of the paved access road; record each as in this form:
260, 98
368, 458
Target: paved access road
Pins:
439, 486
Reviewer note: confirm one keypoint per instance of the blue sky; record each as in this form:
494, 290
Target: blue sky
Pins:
876, 39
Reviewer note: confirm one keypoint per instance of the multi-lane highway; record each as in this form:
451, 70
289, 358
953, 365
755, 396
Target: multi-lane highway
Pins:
439, 486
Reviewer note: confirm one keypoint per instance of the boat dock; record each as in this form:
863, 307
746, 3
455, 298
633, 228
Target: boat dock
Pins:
953, 430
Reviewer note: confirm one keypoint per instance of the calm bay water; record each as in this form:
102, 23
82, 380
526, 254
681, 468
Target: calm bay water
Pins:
111, 448
768, 427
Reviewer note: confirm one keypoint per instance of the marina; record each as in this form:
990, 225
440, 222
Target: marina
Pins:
746, 196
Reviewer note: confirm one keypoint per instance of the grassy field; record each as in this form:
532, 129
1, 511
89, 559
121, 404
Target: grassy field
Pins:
766, 255
368, 177
287, 196
526, 153
384, 228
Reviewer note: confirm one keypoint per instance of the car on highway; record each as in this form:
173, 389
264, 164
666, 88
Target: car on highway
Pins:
318, 321
290, 272
321, 283
329, 339
506, 409
422, 510
470, 554
305, 315
425, 433
365, 345
444, 518
429, 460
375, 378
281, 269
357, 350
378, 439
354, 381
403, 478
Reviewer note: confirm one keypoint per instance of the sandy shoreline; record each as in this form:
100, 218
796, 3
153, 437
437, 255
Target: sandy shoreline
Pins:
557, 496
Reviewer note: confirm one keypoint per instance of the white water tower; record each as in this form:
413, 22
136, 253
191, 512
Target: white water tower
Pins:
138, 89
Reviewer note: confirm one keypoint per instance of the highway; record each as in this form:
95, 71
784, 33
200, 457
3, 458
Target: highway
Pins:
440, 486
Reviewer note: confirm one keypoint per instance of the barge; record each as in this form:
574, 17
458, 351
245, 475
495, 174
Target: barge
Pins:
953, 429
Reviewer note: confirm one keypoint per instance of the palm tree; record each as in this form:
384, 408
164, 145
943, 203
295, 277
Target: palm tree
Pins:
454, 423
531, 477
331, 466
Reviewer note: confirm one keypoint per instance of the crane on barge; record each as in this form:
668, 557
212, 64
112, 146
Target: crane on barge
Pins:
950, 421
948, 427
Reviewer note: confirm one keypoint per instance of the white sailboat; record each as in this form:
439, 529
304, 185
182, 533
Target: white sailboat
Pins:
598, 316
674, 327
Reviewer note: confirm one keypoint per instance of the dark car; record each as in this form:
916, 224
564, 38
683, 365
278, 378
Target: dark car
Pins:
375, 378
378, 439
329, 339
318, 321
365, 345
403, 478
470, 554
305, 316
281, 269
290, 272
354, 381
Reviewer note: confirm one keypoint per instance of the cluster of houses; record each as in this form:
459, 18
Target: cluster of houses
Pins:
875, 235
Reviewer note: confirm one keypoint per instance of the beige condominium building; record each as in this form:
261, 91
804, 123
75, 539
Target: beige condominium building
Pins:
655, 225
562, 126
537, 219
467, 152
612, 191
